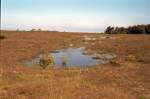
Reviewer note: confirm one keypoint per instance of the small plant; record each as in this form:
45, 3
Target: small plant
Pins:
131, 58
46, 61
2, 37
142, 97
114, 62
63, 62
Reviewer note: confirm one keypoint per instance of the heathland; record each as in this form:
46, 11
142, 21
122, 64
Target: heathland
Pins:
125, 77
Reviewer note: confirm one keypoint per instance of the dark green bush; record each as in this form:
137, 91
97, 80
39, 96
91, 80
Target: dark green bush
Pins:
136, 29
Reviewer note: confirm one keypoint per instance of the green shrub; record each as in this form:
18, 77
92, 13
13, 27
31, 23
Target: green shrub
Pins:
142, 97
46, 61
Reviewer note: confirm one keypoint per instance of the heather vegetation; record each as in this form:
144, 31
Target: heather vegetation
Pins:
136, 29
124, 77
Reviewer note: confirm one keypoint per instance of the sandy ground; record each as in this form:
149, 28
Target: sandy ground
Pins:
126, 77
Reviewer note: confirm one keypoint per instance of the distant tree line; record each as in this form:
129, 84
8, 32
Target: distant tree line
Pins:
32, 30
40, 30
136, 29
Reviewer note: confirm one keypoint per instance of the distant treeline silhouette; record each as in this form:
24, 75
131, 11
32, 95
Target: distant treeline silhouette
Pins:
136, 29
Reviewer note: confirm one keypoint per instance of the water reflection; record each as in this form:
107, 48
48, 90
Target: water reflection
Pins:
71, 57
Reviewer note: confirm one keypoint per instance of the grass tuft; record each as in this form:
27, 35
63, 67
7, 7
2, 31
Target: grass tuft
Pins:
142, 97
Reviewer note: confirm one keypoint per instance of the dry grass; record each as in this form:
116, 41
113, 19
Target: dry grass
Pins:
129, 80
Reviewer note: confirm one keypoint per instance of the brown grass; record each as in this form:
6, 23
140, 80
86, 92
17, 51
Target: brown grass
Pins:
129, 80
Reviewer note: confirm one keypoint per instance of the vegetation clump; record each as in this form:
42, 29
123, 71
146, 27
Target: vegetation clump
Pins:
114, 62
63, 61
142, 97
2, 37
131, 58
46, 61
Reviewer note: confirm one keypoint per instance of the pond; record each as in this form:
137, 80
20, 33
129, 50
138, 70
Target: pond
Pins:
72, 57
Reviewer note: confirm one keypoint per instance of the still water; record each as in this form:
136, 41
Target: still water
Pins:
73, 57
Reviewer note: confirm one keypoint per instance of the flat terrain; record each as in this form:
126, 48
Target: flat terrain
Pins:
125, 77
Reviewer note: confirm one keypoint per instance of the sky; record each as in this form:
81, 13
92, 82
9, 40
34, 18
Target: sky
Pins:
73, 15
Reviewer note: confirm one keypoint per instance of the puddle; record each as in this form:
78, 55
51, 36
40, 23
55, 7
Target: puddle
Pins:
72, 57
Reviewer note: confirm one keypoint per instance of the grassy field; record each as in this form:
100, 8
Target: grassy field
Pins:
125, 77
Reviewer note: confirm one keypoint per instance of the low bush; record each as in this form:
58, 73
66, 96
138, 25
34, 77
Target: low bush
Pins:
2, 37
142, 97
114, 62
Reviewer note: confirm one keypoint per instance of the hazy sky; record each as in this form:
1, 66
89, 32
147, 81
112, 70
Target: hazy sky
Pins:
73, 15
